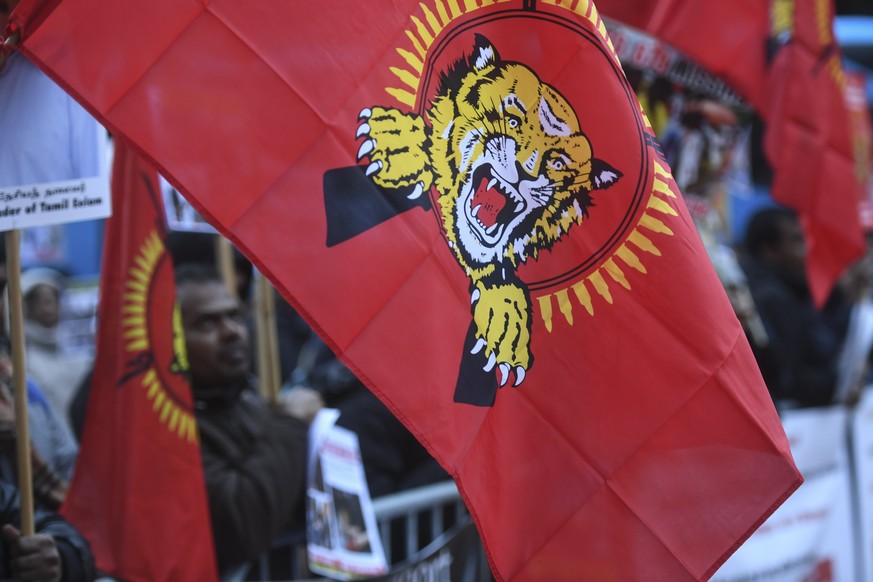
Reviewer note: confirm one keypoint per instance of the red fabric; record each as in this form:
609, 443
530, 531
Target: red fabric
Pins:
726, 37
800, 96
809, 141
138, 492
862, 139
642, 443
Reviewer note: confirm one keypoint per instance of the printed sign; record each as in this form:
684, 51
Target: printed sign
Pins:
342, 538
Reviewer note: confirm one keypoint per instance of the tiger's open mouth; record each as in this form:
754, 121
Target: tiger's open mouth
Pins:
494, 205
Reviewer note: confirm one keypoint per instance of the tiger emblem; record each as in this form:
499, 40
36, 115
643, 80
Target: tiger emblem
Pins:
511, 172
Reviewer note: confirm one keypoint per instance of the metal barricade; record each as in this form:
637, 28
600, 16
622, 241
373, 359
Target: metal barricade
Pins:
418, 516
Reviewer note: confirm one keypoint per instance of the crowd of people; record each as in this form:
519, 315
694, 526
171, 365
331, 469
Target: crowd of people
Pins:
253, 453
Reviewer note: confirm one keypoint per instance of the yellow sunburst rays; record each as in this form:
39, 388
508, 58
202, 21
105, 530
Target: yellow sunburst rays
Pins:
434, 18
135, 314
638, 243
422, 33
628, 256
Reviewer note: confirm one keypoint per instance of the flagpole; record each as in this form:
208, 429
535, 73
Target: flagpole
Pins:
267, 343
273, 366
224, 259
22, 429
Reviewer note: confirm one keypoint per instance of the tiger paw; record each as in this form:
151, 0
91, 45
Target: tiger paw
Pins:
502, 317
396, 145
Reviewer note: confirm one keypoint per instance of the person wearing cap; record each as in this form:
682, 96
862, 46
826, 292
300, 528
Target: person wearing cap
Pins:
55, 370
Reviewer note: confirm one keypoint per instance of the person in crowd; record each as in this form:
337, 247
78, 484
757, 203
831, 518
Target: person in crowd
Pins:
53, 449
254, 457
52, 452
55, 370
292, 330
805, 341
57, 552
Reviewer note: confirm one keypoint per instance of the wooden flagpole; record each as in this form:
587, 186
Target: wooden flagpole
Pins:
19, 370
224, 263
267, 342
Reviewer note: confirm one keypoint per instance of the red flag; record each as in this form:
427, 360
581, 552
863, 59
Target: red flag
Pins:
809, 140
727, 38
463, 197
862, 142
800, 94
138, 492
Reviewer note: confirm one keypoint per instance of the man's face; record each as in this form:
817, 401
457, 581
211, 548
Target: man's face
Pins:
215, 335
791, 250
43, 305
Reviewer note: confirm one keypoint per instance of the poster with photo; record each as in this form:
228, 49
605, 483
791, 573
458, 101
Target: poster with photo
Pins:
77, 330
343, 540
180, 214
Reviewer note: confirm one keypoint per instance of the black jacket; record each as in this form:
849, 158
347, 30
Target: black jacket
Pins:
805, 341
254, 462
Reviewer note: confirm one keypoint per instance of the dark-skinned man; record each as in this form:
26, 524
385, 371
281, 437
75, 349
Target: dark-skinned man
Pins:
805, 341
254, 458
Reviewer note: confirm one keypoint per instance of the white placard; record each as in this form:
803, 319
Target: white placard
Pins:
343, 539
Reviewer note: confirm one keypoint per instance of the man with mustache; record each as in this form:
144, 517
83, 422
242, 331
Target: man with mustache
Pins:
254, 458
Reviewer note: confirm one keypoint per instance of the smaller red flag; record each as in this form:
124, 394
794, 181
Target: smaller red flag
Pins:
138, 492
799, 93
809, 143
862, 143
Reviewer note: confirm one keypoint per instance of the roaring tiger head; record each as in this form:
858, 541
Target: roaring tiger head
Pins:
512, 168
512, 172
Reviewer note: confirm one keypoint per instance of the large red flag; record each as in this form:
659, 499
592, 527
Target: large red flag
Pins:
138, 492
782, 57
464, 197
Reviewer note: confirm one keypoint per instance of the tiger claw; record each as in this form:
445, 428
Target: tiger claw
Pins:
364, 129
504, 374
519, 376
479, 345
419, 188
374, 167
474, 297
366, 147
492, 359
365, 113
